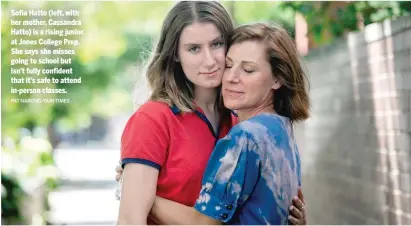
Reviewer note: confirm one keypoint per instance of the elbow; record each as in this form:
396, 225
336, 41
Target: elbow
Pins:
131, 219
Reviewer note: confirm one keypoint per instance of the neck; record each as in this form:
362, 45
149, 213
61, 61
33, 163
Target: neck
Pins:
245, 114
206, 98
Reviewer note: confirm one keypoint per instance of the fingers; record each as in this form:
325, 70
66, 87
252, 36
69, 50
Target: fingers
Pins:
119, 169
296, 213
298, 203
301, 195
293, 220
118, 176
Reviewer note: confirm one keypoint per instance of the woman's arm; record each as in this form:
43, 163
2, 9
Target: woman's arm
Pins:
217, 201
137, 194
165, 211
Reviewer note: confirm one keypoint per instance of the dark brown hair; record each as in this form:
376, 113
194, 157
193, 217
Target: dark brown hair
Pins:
291, 100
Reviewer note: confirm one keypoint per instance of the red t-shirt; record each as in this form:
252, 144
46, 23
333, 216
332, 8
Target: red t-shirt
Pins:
177, 144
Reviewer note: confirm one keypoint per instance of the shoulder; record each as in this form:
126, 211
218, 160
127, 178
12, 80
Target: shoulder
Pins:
149, 121
154, 107
264, 126
239, 136
155, 110
150, 114
265, 122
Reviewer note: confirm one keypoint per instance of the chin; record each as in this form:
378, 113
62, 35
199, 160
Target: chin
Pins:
211, 84
231, 104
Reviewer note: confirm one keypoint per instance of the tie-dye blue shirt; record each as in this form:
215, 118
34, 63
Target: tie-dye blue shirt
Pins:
253, 173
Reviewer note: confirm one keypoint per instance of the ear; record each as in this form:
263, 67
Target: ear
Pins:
277, 84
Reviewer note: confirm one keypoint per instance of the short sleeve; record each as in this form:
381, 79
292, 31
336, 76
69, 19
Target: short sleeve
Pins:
144, 140
231, 175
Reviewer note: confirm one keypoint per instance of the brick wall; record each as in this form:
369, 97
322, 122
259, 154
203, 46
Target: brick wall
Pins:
356, 147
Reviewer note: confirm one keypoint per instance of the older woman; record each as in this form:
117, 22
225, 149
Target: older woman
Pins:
254, 171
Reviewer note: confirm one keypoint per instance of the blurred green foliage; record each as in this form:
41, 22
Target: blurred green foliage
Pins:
11, 197
322, 18
112, 41
27, 167
252, 11
117, 37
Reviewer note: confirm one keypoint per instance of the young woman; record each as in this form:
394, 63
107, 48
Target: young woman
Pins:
167, 142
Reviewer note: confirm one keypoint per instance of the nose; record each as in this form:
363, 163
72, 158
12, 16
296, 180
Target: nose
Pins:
230, 75
209, 59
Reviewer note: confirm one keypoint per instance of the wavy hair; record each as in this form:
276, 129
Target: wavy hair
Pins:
291, 100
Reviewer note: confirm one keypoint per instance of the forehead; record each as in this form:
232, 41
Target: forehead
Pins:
247, 51
200, 32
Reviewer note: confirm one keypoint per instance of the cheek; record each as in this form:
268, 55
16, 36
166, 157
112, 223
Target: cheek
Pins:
267, 80
220, 56
188, 59
225, 73
189, 64
224, 82
257, 85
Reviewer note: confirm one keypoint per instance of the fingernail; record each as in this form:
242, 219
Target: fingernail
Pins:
292, 207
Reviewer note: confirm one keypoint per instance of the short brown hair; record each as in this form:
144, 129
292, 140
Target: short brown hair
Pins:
291, 100
165, 75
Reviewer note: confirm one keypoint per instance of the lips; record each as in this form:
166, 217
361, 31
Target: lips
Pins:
233, 93
212, 73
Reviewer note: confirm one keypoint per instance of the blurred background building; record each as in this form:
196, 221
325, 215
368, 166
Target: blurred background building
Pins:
58, 160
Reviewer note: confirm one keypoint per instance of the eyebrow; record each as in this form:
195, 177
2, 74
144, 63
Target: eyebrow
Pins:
243, 61
219, 38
